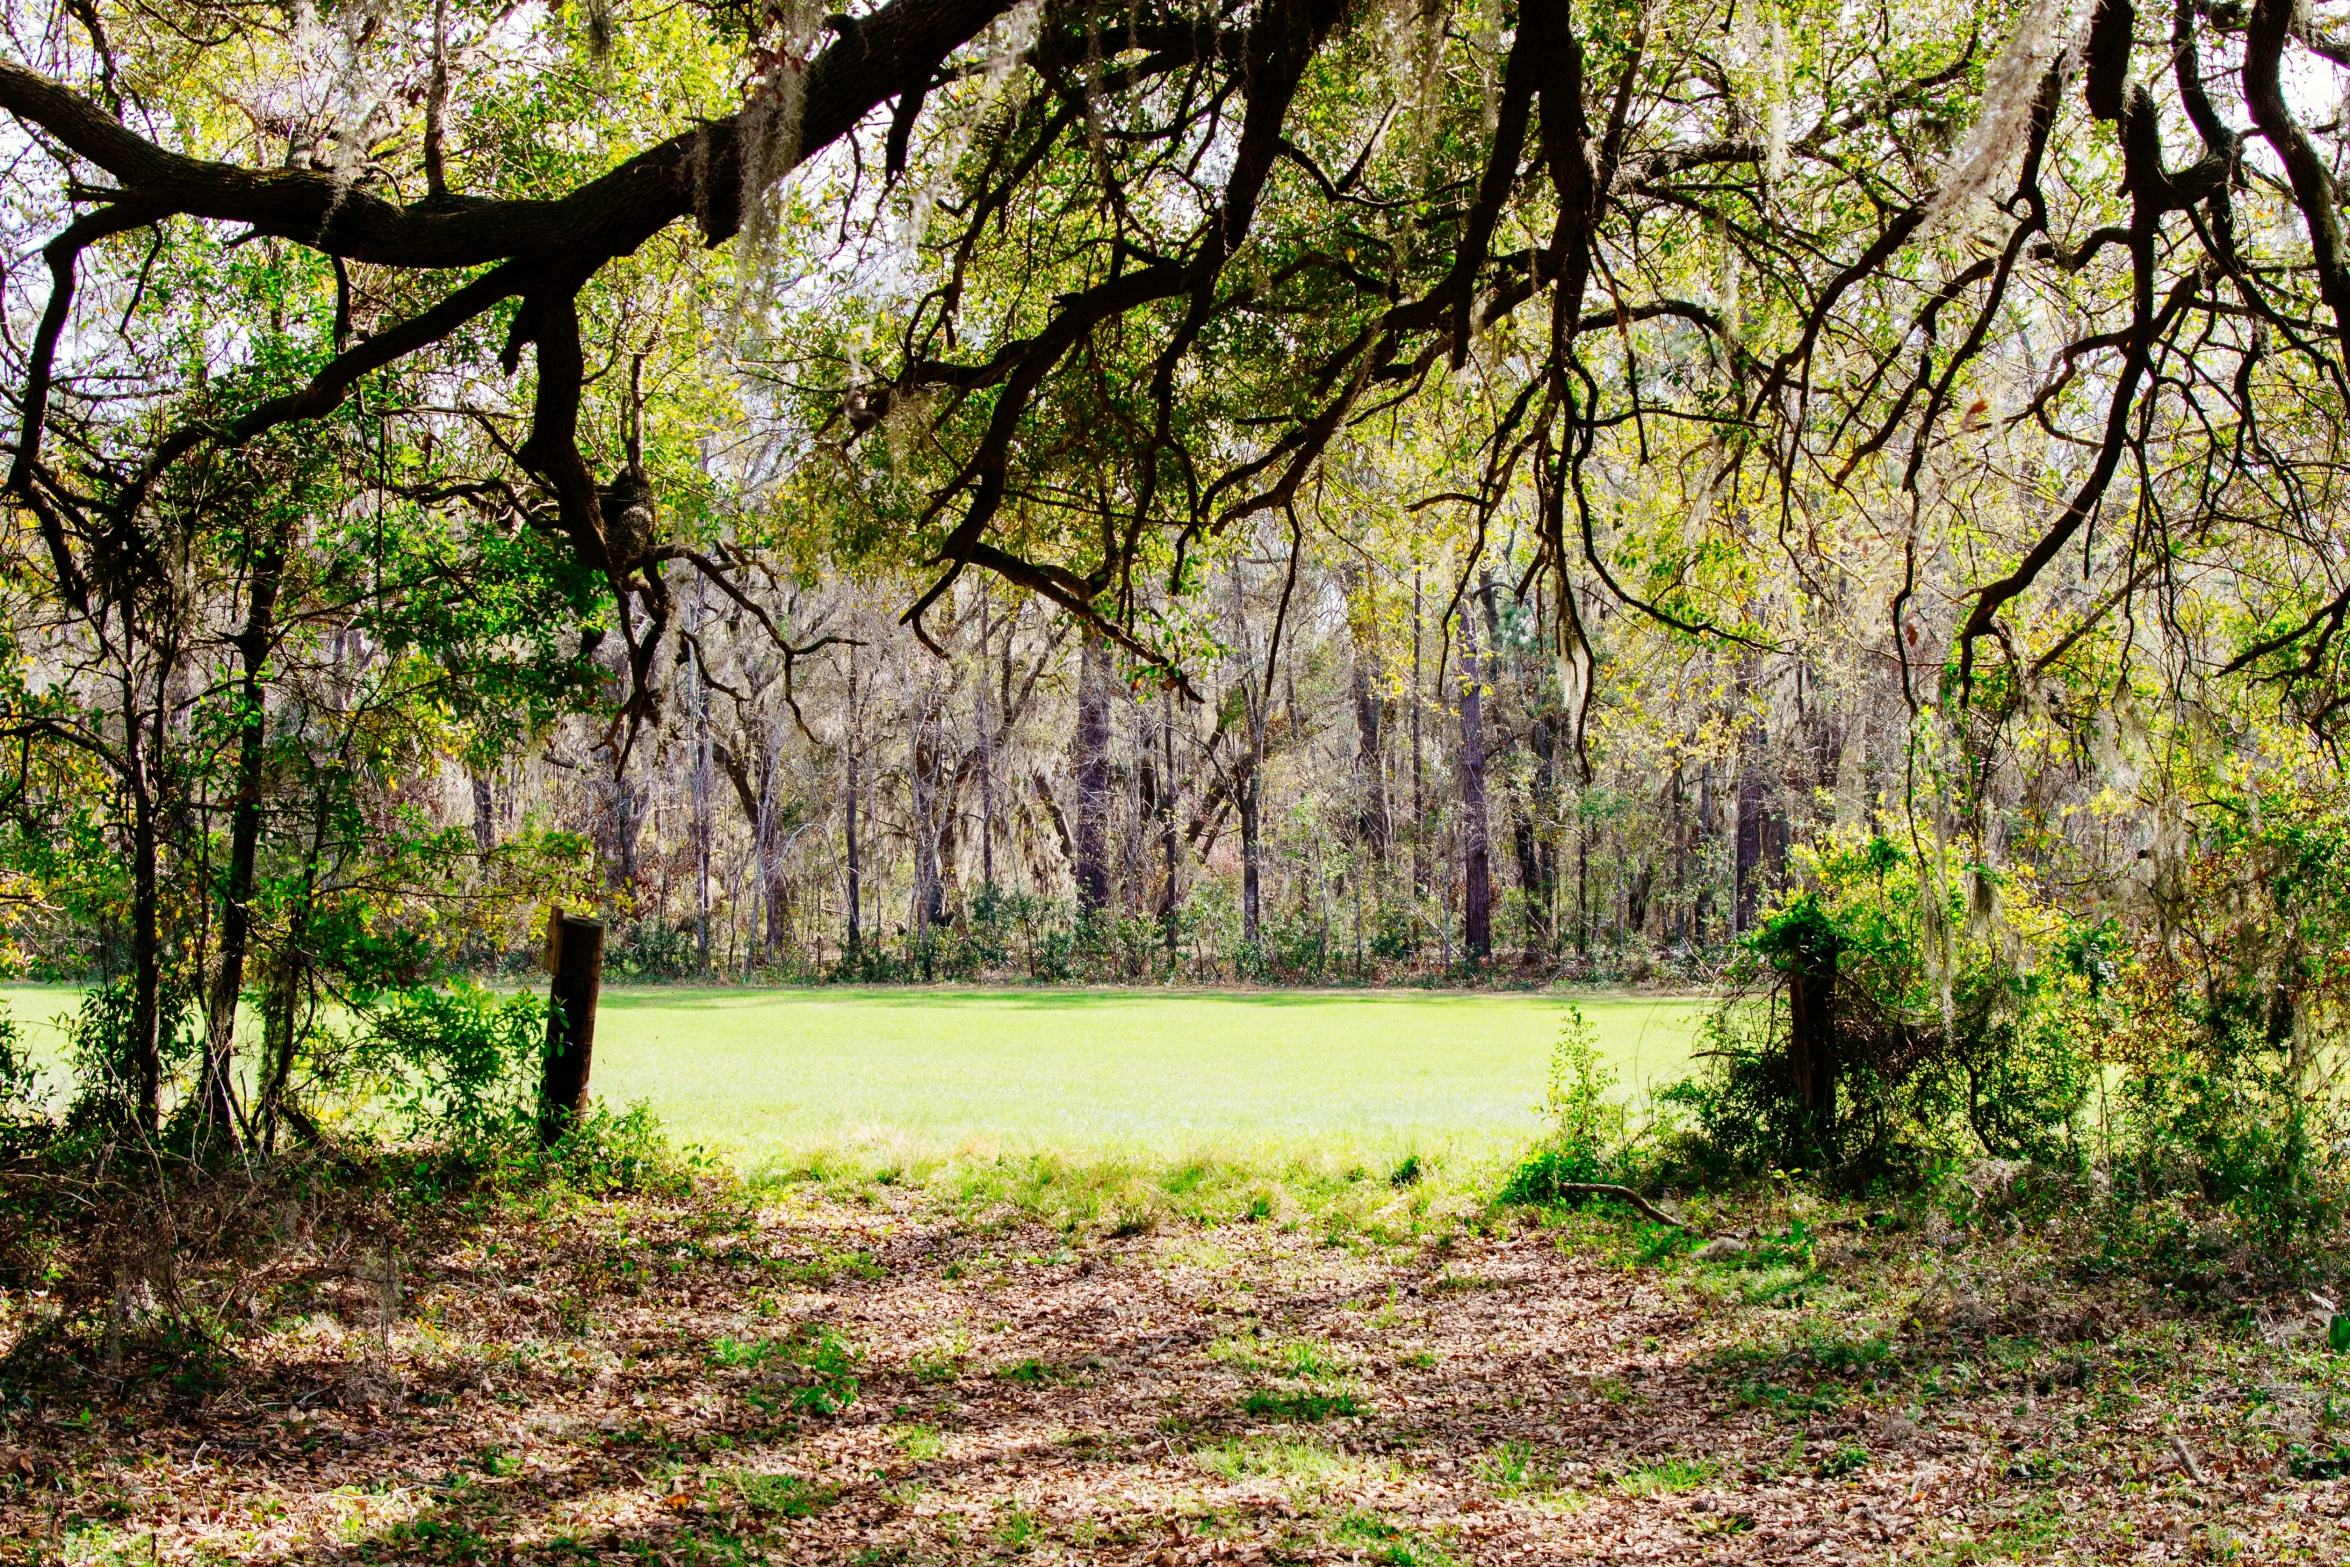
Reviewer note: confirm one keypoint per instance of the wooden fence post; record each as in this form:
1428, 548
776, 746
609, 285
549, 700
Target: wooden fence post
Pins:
575, 959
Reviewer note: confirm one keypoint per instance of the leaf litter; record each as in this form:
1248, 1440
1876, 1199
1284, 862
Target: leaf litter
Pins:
876, 1377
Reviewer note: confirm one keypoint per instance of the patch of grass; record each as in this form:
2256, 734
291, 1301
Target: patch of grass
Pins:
1195, 1251
939, 1361
918, 1442
1016, 1528
1300, 1461
782, 1495
1786, 1401
1773, 1286
1308, 1360
1301, 1404
733, 1354
1240, 1351
828, 1365
1379, 1541
1516, 1469
1849, 1459
824, 1268
2022, 1536
1667, 1476
1845, 1353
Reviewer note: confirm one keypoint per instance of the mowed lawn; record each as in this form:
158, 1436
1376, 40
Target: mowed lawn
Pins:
772, 1076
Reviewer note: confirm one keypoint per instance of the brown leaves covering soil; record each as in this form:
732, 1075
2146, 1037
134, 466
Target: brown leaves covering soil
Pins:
799, 1379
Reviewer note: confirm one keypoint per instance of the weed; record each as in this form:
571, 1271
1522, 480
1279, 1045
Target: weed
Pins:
1016, 1529
1382, 1542
828, 1362
1789, 1402
1299, 1404
2333, 1464
1515, 1469
1306, 1360
2022, 1536
730, 1354
920, 1443
941, 1361
783, 1495
1240, 1351
1723, 1524
1667, 1476
1849, 1459
1656, 1242
824, 1267
1294, 1459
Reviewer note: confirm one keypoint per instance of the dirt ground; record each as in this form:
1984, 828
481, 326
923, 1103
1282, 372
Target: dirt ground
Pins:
800, 1378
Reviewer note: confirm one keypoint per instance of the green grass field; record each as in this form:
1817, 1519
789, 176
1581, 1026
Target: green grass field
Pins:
769, 1076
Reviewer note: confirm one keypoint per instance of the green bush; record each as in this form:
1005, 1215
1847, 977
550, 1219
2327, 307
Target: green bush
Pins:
24, 1112
605, 1151
105, 1063
459, 1061
1886, 1017
1590, 1137
2228, 1019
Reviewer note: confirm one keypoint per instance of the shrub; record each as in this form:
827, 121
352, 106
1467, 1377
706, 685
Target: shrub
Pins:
1892, 1013
2227, 1018
105, 1063
603, 1152
1590, 1133
24, 1113
461, 1061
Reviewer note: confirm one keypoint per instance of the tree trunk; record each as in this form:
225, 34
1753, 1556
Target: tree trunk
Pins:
1677, 928
146, 947
1476, 855
218, 1092
485, 814
1251, 893
288, 975
854, 943
1419, 773
1092, 771
575, 959
928, 789
1701, 908
986, 754
1811, 1045
1747, 849
699, 689
1365, 677
627, 823
1170, 841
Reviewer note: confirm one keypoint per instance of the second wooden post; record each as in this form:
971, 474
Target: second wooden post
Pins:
575, 960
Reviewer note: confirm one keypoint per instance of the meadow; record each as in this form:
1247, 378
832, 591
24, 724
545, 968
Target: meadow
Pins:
772, 1077
769, 1076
